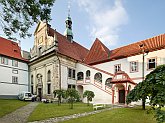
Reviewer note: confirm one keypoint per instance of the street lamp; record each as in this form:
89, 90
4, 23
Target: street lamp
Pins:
144, 54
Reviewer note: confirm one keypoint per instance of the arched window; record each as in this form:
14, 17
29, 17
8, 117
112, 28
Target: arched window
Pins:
108, 82
80, 76
32, 84
31, 79
98, 77
88, 74
49, 76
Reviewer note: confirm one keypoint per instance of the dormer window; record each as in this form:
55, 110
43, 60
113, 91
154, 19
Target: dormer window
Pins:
16, 51
40, 40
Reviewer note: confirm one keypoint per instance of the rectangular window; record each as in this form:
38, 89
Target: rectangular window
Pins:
14, 63
32, 89
15, 71
71, 86
4, 60
69, 72
117, 67
133, 66
40, 40
15, 79
40, 51
49, 88
151, 63
73, 74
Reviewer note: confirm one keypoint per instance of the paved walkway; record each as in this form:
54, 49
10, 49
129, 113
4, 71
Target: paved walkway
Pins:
20, 115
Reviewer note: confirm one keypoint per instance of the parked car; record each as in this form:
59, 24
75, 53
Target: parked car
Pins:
25, 96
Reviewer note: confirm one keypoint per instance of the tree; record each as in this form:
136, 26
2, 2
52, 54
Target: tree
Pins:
154, 87
59, 94
72, 96
89, 95
17, 16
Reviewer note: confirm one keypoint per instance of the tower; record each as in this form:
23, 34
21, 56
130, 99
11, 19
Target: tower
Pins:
68, 31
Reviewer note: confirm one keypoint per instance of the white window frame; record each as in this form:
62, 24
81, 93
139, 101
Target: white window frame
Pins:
71, 73
14, 63
14, 79
117, 67
134, 66
151, 62
4, 60
15, 71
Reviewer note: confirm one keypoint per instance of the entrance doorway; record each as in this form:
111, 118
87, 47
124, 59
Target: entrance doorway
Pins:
80, 90
121, 96
40, 93
118, 93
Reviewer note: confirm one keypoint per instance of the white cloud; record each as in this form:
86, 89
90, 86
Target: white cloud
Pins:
106, 19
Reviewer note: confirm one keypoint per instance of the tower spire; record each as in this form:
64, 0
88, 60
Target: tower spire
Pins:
68, 8
68, 31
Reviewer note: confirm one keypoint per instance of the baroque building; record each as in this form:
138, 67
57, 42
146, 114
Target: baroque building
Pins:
58, 62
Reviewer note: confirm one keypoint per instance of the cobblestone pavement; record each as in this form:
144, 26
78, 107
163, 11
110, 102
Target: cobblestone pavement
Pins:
59, 119
20, 115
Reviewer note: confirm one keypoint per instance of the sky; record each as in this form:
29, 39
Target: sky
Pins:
115, 22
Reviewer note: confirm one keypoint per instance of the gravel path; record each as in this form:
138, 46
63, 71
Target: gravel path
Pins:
20, 115
59, 119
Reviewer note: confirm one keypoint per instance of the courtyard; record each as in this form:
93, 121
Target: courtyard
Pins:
51, 112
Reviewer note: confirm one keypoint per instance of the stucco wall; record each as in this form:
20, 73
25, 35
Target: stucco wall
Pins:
125, 64
7, 88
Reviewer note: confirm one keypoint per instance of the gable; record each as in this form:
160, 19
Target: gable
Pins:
39, 27
150, 45
10, 49
98, 52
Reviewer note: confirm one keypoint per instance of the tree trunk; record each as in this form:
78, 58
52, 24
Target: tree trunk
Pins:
87, 102
143, 103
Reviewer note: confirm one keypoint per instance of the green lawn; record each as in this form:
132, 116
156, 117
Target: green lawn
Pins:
45, 111
121, 115
7, 106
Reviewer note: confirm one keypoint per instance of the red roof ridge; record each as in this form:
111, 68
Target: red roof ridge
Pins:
150, 45
97, 51
70, 42
10, 49
71, 49
125, 78
140, 42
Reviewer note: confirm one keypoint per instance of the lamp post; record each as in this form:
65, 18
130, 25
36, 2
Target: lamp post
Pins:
144, 54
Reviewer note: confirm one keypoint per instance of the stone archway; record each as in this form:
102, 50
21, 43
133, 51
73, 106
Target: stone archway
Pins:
119, 92
39, 87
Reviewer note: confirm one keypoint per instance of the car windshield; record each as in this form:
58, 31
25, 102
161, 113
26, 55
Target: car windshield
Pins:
28, 94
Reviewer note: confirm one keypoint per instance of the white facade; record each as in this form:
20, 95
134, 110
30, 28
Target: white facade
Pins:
110, 81
125, 64
13, 79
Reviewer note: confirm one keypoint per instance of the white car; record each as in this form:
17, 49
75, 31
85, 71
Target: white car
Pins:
25, 96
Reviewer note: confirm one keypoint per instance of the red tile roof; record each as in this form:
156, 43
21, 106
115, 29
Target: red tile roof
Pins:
65, 47
150, 45
97, 52
124, 78
10, 49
